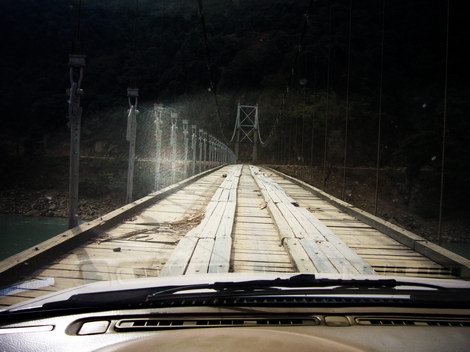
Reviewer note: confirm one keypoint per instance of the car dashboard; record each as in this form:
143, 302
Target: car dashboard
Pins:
242, 329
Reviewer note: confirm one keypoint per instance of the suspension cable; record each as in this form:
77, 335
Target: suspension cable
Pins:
313, 113
291, 75
347, 101
325, 147
76, 41
234, 129
444, 127
379, 124
209, 65
133, 46
259, 137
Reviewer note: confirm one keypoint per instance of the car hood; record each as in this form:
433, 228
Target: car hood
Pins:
183, 280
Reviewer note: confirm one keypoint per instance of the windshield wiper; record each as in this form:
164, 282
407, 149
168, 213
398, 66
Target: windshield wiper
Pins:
305, 281
317, 290
298, 281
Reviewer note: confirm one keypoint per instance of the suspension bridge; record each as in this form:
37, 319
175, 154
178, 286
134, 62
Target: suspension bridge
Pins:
213, 214
230, 218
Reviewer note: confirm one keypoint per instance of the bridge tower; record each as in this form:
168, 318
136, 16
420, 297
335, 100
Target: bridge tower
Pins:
246, 127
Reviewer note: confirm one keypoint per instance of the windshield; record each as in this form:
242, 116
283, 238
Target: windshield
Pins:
156, 140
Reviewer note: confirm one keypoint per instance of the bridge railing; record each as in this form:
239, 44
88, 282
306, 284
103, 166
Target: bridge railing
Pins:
186, 152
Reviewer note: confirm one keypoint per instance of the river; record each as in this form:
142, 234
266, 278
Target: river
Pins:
18, 232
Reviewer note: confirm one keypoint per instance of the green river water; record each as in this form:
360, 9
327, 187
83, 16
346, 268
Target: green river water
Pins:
18, 232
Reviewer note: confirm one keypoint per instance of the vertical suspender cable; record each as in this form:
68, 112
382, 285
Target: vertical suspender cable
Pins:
325, 146
313, 114
379, 124
291, 77
444, 127
347, 102
76, 44
210, 68
312, 141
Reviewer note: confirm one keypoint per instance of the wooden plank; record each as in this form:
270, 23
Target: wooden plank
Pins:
325, 256
215, 228
404, 263
227, 224
179, 260
318, 257
262, 257
299, 256
141, 270
254, 219
267, 244
263, 268
367, 240
199, 262
411, 240
351, 256
131, 244
209, 229
297, 228
220, 259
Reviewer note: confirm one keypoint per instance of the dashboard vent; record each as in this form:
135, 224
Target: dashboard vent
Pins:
156, 323
393, 321
279, 301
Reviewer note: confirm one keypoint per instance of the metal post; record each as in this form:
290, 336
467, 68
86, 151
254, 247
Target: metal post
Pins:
237, 137
216, 152
201, 147
193, 148
205, 149
158, 109
220, 153
76, 62
208, 150
255, 136
132, 98
186, 147
211, 151
174, 121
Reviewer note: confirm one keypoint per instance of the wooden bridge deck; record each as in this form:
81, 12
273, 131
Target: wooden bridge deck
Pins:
235, 219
